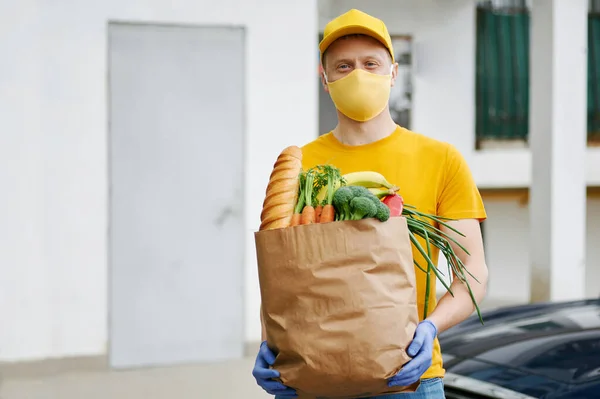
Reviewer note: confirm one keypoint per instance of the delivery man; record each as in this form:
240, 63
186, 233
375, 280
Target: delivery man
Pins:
358, 70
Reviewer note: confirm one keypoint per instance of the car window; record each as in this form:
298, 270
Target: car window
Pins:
585, 391
577, 360
558, 321
572, 358
526, 383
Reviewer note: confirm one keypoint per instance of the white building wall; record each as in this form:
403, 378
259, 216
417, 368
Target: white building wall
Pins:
53, 160
507, 246
593, 248
507, 249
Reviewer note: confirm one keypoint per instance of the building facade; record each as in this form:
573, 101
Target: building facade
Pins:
77, 279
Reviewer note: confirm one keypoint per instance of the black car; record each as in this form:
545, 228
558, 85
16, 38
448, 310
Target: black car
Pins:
548, 350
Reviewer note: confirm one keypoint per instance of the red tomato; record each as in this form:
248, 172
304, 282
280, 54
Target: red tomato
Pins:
395, 203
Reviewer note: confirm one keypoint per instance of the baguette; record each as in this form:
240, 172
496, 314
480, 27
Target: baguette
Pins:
282, 190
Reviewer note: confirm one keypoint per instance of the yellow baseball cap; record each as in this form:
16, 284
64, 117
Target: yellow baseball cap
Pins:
356, 22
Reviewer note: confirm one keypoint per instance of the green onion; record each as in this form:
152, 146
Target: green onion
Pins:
419, 226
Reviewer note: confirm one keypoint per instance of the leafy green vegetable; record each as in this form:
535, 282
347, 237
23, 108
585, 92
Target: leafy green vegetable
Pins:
360, 191
357, 202
341, 202
362, 207
383, 212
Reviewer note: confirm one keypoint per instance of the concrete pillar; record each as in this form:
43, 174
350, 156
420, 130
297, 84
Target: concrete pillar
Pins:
557, 137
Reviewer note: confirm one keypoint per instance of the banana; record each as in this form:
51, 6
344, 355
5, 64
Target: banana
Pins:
381, 192
368, 179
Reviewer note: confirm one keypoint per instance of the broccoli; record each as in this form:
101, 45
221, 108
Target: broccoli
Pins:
357, 202
341, 202
360, 191
383, 211
362, 207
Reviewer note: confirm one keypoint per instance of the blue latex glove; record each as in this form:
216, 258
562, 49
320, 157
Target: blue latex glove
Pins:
421, 350
263, 374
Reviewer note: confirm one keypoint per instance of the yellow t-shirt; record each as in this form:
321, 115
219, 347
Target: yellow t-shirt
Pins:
432, 176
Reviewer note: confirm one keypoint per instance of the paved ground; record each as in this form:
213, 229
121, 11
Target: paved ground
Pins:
230, 380
227, 380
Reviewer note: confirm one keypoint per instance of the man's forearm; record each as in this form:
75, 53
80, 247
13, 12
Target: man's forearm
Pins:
451, 310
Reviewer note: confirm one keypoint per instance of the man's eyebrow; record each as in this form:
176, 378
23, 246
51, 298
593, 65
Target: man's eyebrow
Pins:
342, 60
350, 60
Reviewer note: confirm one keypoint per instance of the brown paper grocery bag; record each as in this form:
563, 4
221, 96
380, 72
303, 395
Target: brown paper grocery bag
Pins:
339, 305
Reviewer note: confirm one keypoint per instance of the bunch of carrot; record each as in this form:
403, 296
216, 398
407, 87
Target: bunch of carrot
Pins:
310, 208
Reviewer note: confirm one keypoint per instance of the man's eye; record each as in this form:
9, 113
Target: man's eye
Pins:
372, 64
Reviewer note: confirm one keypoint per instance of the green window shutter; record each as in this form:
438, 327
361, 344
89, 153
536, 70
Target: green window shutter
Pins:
593, 97
502, 74
521, 42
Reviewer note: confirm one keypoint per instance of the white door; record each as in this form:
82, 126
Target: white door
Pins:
176, 158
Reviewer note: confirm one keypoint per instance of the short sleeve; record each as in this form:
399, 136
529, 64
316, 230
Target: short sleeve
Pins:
459, 197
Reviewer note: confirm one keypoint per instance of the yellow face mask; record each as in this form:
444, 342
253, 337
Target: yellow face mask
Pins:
361, 95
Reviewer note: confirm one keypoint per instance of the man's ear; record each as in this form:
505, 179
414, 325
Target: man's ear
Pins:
322, 76
394, 73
